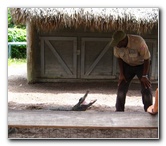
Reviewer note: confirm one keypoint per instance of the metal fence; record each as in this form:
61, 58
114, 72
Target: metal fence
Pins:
10, 44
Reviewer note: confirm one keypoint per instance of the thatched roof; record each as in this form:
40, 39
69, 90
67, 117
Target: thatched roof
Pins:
140, 20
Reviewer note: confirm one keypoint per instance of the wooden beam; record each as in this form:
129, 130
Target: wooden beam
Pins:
82, 119
30, 52
42, 58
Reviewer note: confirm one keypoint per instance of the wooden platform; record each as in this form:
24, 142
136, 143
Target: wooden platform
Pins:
88, 124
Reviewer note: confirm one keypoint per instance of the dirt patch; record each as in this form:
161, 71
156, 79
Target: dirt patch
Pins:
63, 96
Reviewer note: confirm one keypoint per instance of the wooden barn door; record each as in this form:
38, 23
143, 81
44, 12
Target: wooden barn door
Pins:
97, 59
58, 57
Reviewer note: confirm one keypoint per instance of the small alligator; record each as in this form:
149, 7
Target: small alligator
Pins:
82, 105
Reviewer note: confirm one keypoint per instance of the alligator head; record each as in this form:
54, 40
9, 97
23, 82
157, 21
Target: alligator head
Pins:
82, 105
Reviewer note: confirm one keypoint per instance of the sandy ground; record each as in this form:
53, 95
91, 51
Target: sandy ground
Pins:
63, 96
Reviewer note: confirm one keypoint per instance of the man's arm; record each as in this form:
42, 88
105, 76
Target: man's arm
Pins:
146, 67
145, 73
120, 66
121, 75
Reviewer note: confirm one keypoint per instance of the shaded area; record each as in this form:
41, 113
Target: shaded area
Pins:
19, 84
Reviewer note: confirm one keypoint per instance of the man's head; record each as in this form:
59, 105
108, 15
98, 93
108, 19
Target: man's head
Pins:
118, 37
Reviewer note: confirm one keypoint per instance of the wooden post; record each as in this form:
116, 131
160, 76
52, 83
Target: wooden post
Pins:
30, 52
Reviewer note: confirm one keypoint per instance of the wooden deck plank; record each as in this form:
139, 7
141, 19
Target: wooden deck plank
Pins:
86, 119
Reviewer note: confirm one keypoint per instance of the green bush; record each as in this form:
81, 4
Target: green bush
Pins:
17, 35
10, 22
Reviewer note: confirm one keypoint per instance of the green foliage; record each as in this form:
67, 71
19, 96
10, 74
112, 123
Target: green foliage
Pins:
17, 35
18, 51
10, 22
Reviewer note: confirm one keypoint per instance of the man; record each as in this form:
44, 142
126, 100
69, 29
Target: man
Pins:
134, 59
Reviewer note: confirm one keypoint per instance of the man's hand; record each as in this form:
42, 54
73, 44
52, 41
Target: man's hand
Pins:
146, 82
121, 78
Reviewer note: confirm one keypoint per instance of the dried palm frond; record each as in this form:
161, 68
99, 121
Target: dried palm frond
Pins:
139, 20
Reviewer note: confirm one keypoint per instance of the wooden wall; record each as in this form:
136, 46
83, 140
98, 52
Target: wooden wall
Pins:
70, 55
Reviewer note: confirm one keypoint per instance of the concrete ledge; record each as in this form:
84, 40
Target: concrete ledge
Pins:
88, 124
